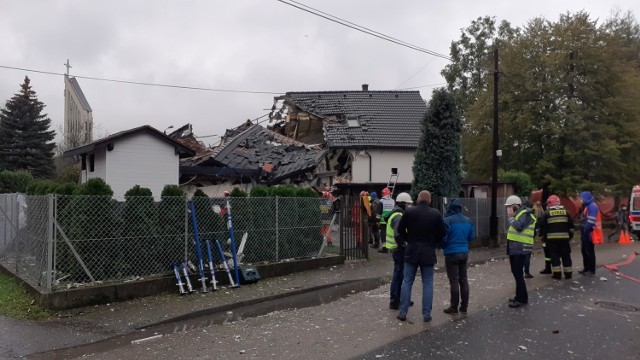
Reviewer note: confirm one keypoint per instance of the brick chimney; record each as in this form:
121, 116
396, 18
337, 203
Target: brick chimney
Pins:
365, 87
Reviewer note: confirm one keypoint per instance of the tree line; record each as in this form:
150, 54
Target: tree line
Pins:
569, 100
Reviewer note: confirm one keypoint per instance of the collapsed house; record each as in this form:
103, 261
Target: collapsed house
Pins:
351, 140
368, 135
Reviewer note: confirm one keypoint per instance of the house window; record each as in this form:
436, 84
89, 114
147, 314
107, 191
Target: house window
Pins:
92, 162
353, 122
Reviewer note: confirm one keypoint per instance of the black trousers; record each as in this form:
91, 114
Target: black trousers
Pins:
560, 253
456, 265
588, 252
517, 263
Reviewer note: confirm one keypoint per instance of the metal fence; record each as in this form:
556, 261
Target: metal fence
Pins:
57, 241
479, 211
354, 228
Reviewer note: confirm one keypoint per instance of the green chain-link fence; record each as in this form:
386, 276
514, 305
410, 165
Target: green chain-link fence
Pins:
55, 241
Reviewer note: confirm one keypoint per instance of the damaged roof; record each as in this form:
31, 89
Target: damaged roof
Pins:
257, 148
378, 119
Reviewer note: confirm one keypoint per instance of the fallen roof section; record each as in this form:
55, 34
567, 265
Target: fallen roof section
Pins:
270, 156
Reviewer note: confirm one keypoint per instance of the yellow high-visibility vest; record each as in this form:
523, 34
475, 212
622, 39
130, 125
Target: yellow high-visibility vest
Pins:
526, 235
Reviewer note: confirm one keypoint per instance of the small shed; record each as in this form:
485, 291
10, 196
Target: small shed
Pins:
140, 156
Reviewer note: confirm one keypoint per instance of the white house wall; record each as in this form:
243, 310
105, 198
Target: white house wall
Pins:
99, 168
142, 160
382, 161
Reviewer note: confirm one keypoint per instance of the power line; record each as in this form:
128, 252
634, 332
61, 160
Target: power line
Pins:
423, 86
361, 28
144, 83
414, 74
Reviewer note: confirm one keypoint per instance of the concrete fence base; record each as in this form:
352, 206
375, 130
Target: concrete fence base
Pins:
107, 293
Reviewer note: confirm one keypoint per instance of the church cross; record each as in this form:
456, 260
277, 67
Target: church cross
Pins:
68, 66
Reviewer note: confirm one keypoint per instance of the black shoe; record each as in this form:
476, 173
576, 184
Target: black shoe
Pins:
568, 275
545, 271
427, 319
411, 303
450, 311
516, 304
581, 271
401, 317
375, 246
589, 273
394, 305
384, 250
528, 276
463, 310
557, 276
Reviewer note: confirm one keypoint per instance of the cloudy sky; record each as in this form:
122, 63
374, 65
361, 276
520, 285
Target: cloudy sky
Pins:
255, 48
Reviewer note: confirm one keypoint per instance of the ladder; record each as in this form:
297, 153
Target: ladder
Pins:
393, 179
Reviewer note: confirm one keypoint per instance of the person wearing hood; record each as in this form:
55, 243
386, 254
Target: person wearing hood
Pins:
591, 233
460, 231
522, 223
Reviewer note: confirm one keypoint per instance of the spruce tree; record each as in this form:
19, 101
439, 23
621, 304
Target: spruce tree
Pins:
436, 166
26, 143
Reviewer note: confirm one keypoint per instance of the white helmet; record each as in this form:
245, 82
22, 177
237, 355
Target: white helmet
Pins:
405, 198
513, 200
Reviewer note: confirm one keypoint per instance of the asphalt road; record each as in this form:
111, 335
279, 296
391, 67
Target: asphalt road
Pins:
589, 318
358, 324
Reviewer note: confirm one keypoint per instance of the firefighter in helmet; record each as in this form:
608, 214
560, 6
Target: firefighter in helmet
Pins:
556, 229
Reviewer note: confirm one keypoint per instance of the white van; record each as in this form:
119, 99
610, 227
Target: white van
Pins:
634, 211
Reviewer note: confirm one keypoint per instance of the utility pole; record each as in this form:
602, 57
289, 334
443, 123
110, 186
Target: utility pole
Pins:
493, 221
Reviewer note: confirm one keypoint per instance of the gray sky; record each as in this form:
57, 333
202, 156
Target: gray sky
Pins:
250, 45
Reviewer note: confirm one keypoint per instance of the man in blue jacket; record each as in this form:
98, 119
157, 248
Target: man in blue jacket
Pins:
460, 232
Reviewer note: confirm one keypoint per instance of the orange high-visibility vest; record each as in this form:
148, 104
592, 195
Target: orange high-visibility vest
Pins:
596, 234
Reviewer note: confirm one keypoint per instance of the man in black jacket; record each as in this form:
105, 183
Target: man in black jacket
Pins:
423, 228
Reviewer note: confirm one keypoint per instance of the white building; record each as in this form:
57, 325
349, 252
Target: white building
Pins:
141, 156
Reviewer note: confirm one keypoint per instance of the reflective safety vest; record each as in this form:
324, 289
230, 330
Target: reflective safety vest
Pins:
557, 225
596, 234
526, 235
391, 239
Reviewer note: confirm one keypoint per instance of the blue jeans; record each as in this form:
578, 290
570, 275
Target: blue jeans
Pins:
426, 271
398, 275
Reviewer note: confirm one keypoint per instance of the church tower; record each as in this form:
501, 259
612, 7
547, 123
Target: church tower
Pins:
78, 116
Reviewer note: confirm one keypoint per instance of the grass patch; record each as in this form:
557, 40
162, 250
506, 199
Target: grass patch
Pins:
332, 249
16, 302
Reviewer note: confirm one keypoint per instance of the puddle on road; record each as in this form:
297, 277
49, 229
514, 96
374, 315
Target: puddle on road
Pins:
320, 296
